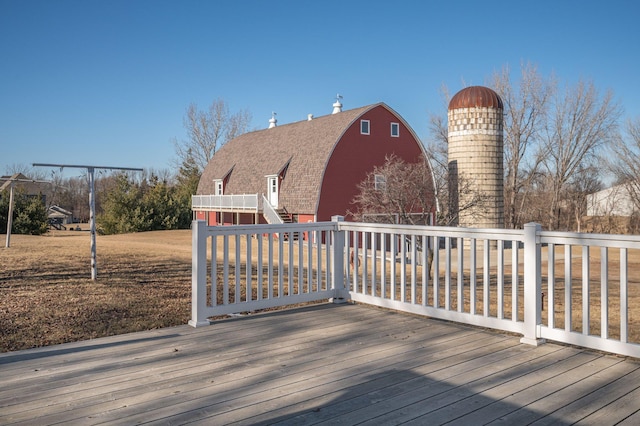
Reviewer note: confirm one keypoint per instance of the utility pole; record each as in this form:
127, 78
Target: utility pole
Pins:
12, 180
92, 202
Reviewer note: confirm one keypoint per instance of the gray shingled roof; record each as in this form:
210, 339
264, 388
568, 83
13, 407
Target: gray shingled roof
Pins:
305, 146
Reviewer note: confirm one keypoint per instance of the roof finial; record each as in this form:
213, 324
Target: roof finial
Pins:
337, 106
273, 122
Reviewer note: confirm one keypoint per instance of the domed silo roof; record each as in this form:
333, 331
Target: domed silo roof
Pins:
475, 97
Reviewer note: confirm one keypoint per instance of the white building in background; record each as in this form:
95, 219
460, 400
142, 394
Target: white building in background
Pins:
614, 201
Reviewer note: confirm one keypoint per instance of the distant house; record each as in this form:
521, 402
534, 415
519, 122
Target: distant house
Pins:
306, 171
25, 185
59, 216
614, 201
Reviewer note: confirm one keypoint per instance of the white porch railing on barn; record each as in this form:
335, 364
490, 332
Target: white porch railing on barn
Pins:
240, 202
484, 277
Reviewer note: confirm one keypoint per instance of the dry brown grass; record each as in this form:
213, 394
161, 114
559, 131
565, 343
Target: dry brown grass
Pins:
48, 297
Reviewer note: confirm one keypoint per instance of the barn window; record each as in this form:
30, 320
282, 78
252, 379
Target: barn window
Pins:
395, 130
380, 182
364, 127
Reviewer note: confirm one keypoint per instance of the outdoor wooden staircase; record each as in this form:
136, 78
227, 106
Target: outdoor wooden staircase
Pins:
286, 217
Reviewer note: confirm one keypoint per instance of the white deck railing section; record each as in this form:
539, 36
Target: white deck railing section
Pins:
241, 202
485, 277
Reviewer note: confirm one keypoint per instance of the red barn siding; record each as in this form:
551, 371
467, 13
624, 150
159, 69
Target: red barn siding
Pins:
355, 155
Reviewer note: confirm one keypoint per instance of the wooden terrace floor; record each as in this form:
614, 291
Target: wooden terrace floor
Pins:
327, 364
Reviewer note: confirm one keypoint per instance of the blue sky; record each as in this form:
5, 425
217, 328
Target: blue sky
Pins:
107, 83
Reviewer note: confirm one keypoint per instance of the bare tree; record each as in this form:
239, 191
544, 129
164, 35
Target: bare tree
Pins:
397, 192
207, 131
437, 151
524, 111
585, 181
581, 123
625, 161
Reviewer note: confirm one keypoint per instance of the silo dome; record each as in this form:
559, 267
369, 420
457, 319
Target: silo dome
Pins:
475, 97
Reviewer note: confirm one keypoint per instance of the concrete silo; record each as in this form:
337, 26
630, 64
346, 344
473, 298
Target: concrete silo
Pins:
476, 157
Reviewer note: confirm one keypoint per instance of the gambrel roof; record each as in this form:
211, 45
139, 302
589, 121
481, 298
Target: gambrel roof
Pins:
300, 149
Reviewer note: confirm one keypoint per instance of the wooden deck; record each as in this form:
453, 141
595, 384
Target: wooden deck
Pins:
331, 364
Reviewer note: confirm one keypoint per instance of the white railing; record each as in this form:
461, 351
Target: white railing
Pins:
485, 277
255, 267
598, 266
269, 213
241, 202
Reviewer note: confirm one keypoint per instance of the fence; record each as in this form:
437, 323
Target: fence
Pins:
542, 285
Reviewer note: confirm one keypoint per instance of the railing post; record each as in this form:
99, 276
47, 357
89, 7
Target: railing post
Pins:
198, 274
337, 262
532, 285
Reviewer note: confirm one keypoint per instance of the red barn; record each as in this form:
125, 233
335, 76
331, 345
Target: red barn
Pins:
306, 171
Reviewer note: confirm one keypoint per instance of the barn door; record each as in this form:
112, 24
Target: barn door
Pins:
272, 190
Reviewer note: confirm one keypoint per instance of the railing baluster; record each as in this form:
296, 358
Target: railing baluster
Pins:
436, 272
383, 265
225, 270
515, 280
301, 287
460, 296
486, 277
310, 261
604, 292
472, 276
290, 274
500, 280
567, 287
586, 305
259, 267
214, 270
624, 296
238, 271
414, 269
365, 261
374, 260
447, 273
319, 259
551, 284
403, 268
249, 279
270, 269
394, 242
425, 270
281, 265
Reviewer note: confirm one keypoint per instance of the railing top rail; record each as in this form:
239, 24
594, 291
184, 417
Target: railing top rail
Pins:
584, 239
441, 231
268, 228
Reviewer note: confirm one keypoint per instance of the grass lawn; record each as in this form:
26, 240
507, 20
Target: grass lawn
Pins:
48, 297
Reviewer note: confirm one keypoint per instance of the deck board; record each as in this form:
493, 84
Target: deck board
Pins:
331, 364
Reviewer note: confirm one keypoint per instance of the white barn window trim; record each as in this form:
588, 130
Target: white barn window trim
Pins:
365, 127
395, 130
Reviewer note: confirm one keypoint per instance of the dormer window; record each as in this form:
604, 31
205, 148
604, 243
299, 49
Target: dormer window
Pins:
364, 127
395, 130
380, 182
218, 187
